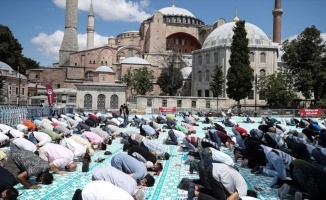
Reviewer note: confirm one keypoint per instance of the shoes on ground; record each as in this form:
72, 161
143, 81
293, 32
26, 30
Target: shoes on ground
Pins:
283, 191
99, 160
189, 159
191, 191
237, 156
298, 196
244, 163
184, 184
257, 170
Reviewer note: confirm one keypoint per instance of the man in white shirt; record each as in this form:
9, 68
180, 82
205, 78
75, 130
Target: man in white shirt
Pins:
22, 143
39, 138
4, 128
4, 140
104, 190
84, 142
78, 150
21, 127
15, 133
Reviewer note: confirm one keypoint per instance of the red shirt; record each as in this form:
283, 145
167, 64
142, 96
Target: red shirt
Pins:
242, 131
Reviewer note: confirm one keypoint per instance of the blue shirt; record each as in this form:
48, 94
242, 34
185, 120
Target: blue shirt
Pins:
149, 130
116, 177
129, 165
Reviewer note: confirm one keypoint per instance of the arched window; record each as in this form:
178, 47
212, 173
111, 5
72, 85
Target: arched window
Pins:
200, 61
251, 57
114, 102
207, 75
121, 56
101, 101
89, 75
263, 57
130, 53
137, 55
262, 73
199, 76
208, 58
134, 72
215, 57
103, 78
118, 75
88, 101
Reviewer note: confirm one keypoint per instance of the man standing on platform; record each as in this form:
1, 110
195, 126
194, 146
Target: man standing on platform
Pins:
125, 115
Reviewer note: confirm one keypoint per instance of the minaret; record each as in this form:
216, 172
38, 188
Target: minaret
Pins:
90, 28
70, 40
236, 19
277, 23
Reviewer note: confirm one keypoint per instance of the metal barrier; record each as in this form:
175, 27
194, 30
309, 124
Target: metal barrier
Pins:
15, 115
284, 113
250, 112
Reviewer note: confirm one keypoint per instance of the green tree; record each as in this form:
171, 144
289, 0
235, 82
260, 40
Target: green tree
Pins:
30, 64
240, 76
171, 79
143, 81
305, 60
128, 79
217, 83
2, 83
277, 90
11, 52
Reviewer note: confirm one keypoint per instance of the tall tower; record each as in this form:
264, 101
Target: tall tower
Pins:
70, 41
277, 22
90, 28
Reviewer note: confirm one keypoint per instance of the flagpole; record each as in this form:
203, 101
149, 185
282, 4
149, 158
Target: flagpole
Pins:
18, 86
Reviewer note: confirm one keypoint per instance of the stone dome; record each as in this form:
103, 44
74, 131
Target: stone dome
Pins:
104, 69
175, 11
222, 35
135, 60
186, 72
4, 66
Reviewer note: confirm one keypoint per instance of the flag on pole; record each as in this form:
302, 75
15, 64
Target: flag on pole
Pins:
50, 94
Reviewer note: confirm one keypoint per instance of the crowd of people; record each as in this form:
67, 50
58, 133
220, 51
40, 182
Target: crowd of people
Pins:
58, 143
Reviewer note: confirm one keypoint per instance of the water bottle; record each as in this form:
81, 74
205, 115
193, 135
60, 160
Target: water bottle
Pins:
185, 156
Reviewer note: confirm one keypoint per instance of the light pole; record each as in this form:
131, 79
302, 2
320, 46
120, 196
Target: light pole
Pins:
256, 95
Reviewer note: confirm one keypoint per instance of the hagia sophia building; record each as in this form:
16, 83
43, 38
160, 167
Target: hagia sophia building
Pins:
91, 79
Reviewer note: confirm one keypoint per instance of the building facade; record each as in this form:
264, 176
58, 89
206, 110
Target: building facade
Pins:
170, 30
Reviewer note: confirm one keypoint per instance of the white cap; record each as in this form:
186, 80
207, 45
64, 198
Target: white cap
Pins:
149, 164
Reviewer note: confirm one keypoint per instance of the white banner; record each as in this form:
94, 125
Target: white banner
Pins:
148, 110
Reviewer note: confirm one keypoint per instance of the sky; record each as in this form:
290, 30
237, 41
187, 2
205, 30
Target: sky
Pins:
38, 25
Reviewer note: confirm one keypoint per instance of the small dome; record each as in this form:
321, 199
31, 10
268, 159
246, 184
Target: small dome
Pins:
135, 60
4, 66
222, 35
186, 72
22, 76
104, 69
176, 11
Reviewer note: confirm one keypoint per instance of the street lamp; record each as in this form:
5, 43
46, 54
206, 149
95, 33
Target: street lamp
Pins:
256, 95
